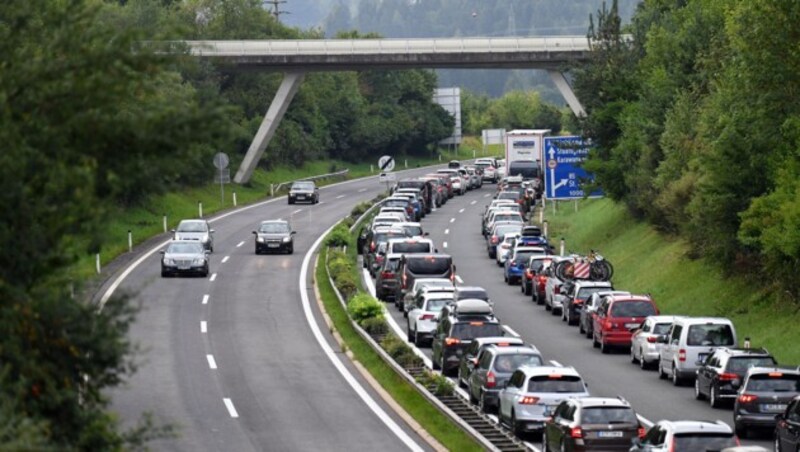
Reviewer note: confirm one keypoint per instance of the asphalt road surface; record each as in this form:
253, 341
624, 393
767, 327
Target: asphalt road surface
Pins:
232, 361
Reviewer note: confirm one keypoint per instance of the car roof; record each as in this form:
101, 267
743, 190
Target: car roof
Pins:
690, 426
185, 242
584, 283
616, 298
514, 349
485, 341
588, 402
697, 320
736, 351
465, 288
471, 306
438, 294
537, 371
275, 221
392, 256
606, 293
768, 370
522, 249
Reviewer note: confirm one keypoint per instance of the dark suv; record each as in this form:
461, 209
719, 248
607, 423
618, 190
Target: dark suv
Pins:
413, 266
765, 392
721, 374
303, 190
592, 423
457, 327
387, 279
275, 236
495, 365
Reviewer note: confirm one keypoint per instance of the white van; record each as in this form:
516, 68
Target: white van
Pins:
689, 341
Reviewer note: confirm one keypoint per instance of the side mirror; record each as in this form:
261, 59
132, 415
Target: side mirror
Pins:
211, 231
255, 233
162, 252
425, 234
293, 232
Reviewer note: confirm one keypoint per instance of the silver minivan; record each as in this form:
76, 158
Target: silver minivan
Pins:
689, 341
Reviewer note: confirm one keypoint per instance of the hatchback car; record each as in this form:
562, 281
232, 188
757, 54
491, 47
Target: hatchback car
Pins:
644, 344
303, 190
470, 357
592, 423
787, 430
764, 393
616, 317
275, 236
184, 257
387, 279
669, 436
493, 367
195, 231
532, 393
689, 341
721, 374
423, 314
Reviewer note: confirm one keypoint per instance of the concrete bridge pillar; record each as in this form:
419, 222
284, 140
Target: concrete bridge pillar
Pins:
283, 97
566, 90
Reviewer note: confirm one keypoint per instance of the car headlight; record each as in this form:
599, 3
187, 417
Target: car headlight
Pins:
260, 239
205, 239
168, 261
287, 239
199, 261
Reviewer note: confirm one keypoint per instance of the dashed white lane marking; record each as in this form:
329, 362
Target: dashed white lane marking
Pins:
230, 407
204, 327
452, 220
239, 245
211, 362
510, 331
487, 195
297, 211
446, 231
225, 259
319, 202
647, 422
460, 281
556, 363
205, 299
444, 244
332, 356
474, 201
340, 196
213, 277
362, 190
461, 210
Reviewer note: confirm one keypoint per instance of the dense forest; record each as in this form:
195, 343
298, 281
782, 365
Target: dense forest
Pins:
697, 128
465, 18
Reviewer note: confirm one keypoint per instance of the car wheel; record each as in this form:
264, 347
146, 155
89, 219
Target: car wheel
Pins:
485, 408
547, 307
595, 342
741, 431
291, 249
553, 310
604, 348
290, 201
713, 397
588, 333
563, 446
581, 330
528, 290
642, 363
435, 364
409, 334
514, 427
633, 355
205, 273
472, 399
164, 273
563, 315
676, 380
697, 394
661, 374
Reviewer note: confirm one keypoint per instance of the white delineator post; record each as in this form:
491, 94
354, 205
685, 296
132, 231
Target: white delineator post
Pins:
130, 241
234, 199
97, 262
164, 220
200, 209
563, 245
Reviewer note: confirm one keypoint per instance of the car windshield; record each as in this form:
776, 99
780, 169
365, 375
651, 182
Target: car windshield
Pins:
632, 309
774, 382
185, 248
703, 441
192, 226
436, 304
472, 330
303, 186
274, 228
395, 203
555, 383
710, 334
587, 292
608, 415
429, 265
510, 363
740, 364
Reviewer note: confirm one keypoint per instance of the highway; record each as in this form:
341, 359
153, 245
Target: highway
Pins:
231, 361
455, 230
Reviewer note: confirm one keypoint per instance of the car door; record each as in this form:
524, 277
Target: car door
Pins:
707, 372
477, 379
791, 430
509, 394
554, 430
598, 318
671, 347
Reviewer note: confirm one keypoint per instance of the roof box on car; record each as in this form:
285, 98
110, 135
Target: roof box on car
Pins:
472, 306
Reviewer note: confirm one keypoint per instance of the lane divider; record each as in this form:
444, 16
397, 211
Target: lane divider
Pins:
212, 363
204, 327
213, 277
225, 259
474, 201
510, 331
205, 299
230, 407
446, 231
452, 220
461, 210
444, 244
239, 245
340, 196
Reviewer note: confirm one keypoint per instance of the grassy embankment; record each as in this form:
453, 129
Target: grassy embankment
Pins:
147, 220
646, 261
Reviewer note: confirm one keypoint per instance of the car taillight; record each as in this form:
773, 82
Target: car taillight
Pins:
576, 432
528, 400
747, 398
557, 290
405, 280
490, 380
651, 339
452, 341
672, 445
728, 377
513, 263
494, 240
372, 246
607, 324
386, 275
426, 317
682, 355
641, 432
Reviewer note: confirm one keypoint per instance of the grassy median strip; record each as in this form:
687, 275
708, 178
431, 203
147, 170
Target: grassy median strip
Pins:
436, 423
647, 261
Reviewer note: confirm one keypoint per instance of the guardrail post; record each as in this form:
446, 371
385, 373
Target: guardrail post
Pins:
234, 199
200, 209
130, 241
406, 162
563, 245
164, 220
371, 168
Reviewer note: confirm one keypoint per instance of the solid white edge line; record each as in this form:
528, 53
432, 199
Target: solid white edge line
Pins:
340, 196
212, 363
510, 331
225, 259
203, 326
647, 422
230, 407
239, 245
337, 363
205, 299
556, 363
460, 281
213, 277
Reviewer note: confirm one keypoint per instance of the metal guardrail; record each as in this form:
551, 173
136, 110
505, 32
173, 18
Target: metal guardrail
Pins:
277, 188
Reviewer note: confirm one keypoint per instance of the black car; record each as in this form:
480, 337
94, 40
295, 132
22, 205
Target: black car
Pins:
721, 374
387, 279
787, 430
765, 392
592, 423
274, 236
303, 190
457, 327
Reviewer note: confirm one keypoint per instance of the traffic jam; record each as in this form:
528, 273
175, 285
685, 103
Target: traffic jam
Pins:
509, 379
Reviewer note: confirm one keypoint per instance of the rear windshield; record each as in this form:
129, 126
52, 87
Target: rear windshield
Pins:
537, 265
661, 328
479, 294
587, 292
412, 231
741, 364
632, 309
782, 383
410, 184
412, 247
436, 304
608, 415
522, 257
508, 195
510, 363
710, 334
507, 217
381, 237
395, 203
528, 170
391, 265
475, 329
547, 383
501, 231
429, 265
703, 442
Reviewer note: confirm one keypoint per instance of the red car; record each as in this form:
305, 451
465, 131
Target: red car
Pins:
617, 317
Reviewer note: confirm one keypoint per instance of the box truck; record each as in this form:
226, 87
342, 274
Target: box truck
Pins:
526, 144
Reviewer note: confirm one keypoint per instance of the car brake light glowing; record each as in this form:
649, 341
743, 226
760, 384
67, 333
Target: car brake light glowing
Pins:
776, 374
452, 341
682, 355
651, 339
528, 400
372, 246
554, 376
728, 377
476, 323
490, 380
426, 317
576, 432
747, 398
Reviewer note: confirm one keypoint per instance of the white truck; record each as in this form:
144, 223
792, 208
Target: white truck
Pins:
525, 144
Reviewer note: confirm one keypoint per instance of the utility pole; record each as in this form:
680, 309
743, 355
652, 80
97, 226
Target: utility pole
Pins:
276, 12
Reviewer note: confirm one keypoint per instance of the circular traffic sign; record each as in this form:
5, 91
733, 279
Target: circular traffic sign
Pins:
221, 160
386, 163
552, 163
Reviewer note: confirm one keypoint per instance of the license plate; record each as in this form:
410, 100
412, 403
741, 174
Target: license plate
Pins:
183, 267
631, 325
609, 434
773, 407
272, 245
301, 196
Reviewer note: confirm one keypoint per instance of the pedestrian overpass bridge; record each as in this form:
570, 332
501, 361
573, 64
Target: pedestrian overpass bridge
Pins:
297, 57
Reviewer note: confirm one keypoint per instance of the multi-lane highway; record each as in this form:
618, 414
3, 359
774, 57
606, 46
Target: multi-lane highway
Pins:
233, 362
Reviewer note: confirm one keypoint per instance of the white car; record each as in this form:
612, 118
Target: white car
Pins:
195, 231
503, 248
423, 314
645, 348
402, 214
422, 284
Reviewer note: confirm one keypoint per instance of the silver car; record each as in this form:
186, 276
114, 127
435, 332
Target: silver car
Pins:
184, 257
644, 346
195, 230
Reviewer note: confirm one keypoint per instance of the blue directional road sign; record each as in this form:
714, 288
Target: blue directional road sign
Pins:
563, 173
